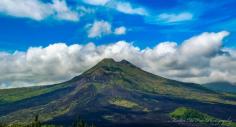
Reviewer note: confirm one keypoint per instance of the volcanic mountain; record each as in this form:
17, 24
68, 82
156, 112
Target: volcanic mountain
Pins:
114, 94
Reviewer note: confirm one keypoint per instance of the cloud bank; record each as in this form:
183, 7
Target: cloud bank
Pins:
198, 59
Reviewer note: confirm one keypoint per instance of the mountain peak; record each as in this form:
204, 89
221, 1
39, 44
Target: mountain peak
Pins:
109, 66
125, 62
107, 60
110, 61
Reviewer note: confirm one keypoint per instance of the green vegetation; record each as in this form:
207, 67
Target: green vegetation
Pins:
192, 115
81, 123
229, 124
146, 110
17, 94
36, 123
123, 103
109, 117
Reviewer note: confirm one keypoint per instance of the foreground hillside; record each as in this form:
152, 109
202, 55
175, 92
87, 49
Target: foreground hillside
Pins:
113, 94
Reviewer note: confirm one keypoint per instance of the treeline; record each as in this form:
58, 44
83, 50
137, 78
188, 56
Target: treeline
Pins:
36, 123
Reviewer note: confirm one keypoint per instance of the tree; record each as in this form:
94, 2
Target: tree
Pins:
81, 123
36, 122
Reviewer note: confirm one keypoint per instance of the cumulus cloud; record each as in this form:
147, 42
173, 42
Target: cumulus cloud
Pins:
99, 29
198, 59
102, 28
38, 10
120, 30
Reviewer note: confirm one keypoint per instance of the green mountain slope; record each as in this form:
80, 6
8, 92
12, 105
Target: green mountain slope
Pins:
130, 77
17, 94
112, 93
221, 87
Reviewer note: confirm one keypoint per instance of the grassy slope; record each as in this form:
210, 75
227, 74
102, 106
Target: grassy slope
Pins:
192, 115
123, 103
17, 94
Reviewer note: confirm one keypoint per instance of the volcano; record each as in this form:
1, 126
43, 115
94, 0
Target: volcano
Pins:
114, 94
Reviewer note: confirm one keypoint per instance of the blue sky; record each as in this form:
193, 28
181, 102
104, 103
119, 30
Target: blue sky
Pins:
55, 40
19, 32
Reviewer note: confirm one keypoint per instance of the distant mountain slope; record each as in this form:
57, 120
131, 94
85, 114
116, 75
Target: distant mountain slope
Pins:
113, 93
221, 86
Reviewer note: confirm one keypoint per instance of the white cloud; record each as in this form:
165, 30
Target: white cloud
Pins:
198, 59
99, 29
171, 18
102, 28
63, 12
30, 8
124, 7
129, 9
120, 30
150, 16
96, 2
37, 10
165, 48
209, 44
